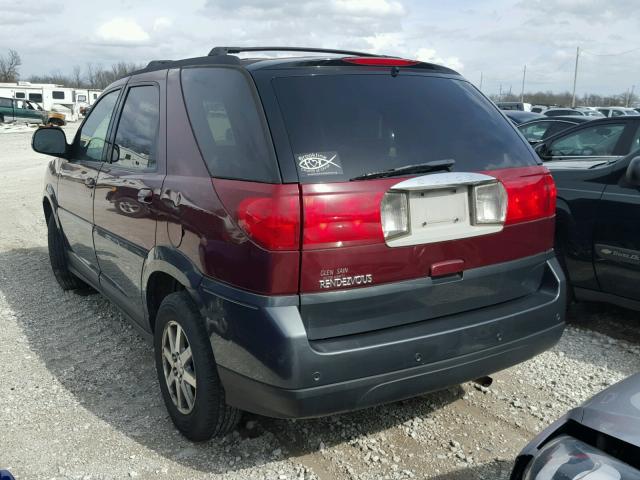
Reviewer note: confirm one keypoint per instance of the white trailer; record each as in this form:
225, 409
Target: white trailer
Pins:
48, 95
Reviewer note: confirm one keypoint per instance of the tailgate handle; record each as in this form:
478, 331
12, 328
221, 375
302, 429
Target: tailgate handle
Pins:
448, 267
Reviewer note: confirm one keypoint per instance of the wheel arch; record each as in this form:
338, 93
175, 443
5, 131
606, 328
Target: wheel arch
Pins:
565, 225
50, 205
166, 271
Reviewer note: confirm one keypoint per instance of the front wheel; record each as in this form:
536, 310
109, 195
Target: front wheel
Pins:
187, 372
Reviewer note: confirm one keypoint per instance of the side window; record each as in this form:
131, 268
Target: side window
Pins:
556, 127
35, 97
5, 102
616, 113
225, 118
19, 94
90, 140
635, 143
591, 141
535, 131
137, 135
57, 95
604, 111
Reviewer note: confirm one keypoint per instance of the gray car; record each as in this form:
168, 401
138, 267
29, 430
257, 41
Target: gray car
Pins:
599, 440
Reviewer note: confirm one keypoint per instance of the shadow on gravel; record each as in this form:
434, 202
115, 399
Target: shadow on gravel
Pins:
497, 470
87, 346
617, 322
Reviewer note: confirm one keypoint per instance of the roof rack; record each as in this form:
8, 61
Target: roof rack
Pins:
157, 63
227, 50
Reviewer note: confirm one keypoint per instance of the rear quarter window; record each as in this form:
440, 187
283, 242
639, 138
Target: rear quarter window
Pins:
228, 125
343, 126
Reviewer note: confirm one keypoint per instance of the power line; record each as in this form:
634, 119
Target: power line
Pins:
611, 54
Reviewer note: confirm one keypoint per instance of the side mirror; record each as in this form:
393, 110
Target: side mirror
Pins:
50, 141
542, 149
633, 171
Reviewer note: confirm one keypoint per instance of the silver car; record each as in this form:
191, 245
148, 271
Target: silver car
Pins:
599, 440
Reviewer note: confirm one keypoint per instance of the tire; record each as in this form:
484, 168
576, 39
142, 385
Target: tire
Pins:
1, 118
58, 259
208, 415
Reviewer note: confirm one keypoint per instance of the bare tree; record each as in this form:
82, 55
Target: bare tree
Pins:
76, 76
91, 77
9, 67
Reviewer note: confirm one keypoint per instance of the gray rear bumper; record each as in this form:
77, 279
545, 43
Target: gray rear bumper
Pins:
268, 366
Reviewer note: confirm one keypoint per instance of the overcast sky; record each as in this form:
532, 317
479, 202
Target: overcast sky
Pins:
496, 37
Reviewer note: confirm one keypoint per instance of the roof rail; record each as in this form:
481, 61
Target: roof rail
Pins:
227, 50
157, 63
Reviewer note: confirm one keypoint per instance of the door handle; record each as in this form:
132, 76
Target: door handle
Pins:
145, 195
90, 182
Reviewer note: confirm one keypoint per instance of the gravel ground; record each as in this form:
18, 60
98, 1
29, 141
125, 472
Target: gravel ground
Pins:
79, 397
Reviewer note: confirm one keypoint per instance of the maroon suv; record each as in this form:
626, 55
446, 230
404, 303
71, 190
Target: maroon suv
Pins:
307, 235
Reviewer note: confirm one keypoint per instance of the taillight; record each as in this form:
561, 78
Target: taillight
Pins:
381, 61
269, 214
342, 214
394, 214
489, 204
531, 193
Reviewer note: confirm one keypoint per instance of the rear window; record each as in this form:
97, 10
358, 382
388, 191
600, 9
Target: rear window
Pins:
343, 126
225, 119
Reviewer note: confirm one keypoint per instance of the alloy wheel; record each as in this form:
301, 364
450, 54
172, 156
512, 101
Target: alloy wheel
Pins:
179, 367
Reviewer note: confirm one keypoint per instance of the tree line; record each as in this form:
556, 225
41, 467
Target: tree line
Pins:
91, 76
98, 77
563, 99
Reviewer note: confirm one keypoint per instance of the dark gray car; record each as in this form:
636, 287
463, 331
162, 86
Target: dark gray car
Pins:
598, 440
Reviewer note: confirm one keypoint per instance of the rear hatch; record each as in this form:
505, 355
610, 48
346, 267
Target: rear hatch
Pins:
384, 249
406, 195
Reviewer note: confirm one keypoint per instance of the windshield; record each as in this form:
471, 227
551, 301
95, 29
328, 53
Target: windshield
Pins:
344, 126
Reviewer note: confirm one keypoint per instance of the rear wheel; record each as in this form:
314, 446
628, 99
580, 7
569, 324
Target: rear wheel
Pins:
1, 118
58, 259
191, 388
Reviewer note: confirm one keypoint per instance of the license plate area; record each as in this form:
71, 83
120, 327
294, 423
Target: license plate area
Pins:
440, 209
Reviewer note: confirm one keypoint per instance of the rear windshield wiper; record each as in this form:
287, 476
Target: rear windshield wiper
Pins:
433, 166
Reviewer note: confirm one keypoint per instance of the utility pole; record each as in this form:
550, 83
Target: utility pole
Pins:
575, 79
630, 95
500, 94
524, 75
480, 81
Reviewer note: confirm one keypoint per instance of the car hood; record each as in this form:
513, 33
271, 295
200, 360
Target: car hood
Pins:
585, 164
616, 411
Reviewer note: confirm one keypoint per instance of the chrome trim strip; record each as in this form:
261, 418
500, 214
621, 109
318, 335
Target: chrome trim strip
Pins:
438, 181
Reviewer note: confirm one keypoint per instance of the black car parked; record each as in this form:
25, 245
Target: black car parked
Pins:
596, 166
607, 137
597, 229
542, 128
